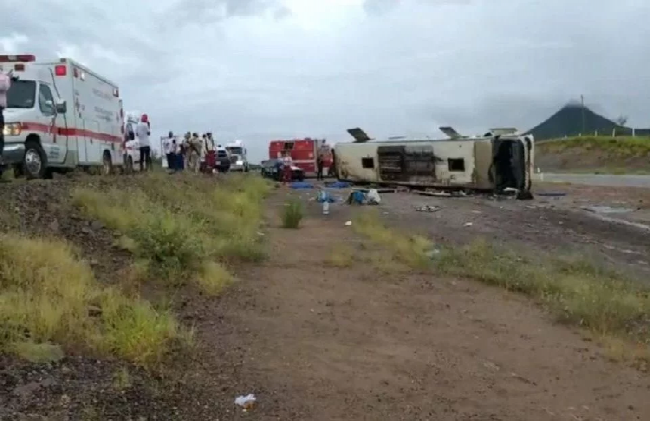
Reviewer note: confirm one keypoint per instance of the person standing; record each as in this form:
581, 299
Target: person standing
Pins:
320, 160
287, 170
168, 150
5, 85
143, 132
185, 145
195, 153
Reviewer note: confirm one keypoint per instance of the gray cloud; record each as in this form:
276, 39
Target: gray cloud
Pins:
212, 11
379, 7
266, 69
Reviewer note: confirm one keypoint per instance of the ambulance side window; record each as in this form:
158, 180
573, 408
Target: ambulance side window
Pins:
46, 101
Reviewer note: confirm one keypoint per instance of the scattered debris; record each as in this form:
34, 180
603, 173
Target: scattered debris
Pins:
324, 196
435, 194
427, 208
433, 253
373, 197
469, 224
358, 197
348, 223
379, 190
439, 193
551, 194
247, 402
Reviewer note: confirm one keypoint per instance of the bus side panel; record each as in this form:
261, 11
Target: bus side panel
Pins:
350, 158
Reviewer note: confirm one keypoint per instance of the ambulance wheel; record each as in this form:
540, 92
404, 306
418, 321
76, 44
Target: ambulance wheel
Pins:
35, 161
107, 164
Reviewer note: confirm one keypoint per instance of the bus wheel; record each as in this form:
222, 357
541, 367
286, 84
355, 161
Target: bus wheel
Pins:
34, 161
107, 164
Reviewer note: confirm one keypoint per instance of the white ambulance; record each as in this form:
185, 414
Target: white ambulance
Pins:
59, 116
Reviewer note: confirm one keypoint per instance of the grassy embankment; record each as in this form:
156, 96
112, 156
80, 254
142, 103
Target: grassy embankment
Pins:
595, 154
182, 230
614, 309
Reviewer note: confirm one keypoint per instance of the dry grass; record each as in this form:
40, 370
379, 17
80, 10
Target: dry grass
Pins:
577, 292
184, 228
411, 250
51, 303
341, 256
292, 214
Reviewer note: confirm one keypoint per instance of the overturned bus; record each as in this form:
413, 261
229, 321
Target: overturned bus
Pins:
497, 161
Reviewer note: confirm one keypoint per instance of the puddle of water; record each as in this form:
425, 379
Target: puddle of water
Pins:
608, 209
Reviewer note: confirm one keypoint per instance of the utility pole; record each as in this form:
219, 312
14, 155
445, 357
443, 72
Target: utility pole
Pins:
582, 102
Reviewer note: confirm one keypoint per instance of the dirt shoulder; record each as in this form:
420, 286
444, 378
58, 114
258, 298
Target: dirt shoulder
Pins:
557, 225
355, 343
318, 341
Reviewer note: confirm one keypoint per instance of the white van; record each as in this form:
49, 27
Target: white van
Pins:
59, 116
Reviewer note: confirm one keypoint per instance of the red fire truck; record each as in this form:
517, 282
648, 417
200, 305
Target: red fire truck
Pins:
303, 153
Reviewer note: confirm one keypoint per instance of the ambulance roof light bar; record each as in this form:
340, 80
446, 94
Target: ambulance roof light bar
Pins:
19, 58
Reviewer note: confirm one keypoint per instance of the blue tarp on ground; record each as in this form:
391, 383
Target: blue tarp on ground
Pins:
338, 185
301, 185
357, 197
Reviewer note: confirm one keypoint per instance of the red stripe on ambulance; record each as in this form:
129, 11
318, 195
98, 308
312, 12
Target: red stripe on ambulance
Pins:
70, 131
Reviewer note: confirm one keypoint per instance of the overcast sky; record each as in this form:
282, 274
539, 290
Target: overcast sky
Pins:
263, 69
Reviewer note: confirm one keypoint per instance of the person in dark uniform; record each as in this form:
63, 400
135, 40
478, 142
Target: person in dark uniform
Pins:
320, 161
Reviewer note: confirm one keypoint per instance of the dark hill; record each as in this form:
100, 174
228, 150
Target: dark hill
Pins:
568, 122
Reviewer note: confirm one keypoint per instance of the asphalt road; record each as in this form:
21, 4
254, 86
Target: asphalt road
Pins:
597, 179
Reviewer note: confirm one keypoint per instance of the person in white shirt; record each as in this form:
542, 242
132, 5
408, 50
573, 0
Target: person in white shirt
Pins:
142, 132
168, 150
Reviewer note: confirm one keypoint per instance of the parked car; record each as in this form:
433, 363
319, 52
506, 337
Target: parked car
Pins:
273, 169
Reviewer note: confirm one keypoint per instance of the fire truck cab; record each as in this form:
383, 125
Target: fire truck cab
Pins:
59, 116
303, 152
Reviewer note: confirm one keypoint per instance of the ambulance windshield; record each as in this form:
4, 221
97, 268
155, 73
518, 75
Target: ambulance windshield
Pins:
21, 94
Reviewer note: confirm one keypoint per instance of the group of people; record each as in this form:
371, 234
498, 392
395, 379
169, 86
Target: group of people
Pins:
187, 152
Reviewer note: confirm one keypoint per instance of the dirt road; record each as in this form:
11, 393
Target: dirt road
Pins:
353, 344
317, 342
558, 225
